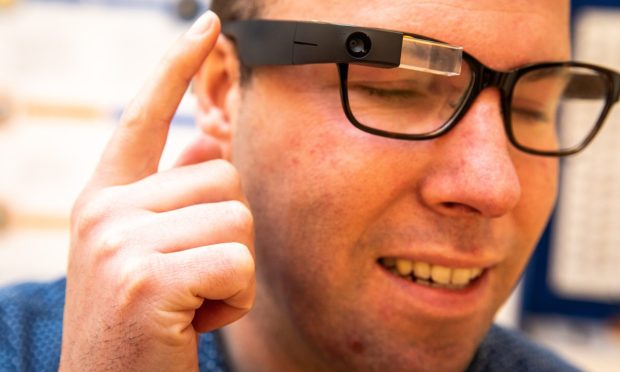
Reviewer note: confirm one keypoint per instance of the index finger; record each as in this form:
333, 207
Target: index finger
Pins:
135, 148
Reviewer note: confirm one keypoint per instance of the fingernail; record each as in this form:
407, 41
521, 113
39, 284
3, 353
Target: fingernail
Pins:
202, 24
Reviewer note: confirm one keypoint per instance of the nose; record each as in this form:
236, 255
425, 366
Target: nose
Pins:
473, 172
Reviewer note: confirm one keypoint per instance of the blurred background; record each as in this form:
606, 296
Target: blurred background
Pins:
68, 67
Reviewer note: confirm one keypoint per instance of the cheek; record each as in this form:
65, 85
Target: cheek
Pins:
315, 183
310, 155
297, 163
539, 182
539, 178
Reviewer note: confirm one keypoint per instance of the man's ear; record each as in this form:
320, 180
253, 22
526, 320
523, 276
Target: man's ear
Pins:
216, 87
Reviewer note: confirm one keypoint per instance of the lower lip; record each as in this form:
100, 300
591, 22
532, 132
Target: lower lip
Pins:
438, 302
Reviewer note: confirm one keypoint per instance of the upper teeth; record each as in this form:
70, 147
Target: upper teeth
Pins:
426, 273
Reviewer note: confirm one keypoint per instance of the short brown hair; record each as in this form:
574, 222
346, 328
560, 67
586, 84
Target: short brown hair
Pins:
234, 10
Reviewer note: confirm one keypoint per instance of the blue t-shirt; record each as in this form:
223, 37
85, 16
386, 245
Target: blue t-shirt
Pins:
31, 331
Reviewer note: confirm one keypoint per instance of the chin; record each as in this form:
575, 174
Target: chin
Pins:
370, 335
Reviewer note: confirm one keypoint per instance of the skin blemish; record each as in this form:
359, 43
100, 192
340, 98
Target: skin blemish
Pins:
357, 346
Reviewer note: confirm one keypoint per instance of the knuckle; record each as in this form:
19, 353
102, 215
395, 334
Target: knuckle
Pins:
88, 213
174, 62
241, 216
136, 279
111, 241
133, 114
243, 258
228, 173
240, 261
137, 113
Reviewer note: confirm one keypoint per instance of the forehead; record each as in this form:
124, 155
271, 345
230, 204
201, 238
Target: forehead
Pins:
501, 33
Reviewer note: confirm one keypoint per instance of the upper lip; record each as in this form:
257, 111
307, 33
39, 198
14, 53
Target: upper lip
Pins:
448, 259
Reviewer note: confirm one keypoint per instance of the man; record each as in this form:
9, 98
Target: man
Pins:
385, 248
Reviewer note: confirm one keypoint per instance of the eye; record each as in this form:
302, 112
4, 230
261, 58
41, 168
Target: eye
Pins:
531, 115
388, 93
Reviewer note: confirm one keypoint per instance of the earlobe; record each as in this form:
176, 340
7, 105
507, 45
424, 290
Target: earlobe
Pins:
216, 87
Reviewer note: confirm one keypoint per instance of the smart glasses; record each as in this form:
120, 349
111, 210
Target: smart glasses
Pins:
411, 87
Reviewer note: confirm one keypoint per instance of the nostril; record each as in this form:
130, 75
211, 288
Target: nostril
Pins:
460, 208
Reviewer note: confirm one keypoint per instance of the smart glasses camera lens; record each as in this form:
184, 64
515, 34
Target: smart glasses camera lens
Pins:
358, 45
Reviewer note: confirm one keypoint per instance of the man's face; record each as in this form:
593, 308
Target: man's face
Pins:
331, 201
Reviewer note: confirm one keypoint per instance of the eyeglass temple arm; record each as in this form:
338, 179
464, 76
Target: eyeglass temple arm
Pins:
294, 43
588, 86
584, 86
616, 78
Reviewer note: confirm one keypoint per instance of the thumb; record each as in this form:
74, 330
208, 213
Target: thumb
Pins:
203, 148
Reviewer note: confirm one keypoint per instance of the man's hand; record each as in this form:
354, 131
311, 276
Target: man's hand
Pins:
157, 257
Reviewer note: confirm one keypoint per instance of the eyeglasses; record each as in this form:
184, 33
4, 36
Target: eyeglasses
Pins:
411, 87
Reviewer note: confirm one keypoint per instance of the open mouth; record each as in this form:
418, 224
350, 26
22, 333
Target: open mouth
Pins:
435, 276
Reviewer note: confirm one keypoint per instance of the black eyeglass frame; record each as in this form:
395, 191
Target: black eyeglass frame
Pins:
301, 42
485, 77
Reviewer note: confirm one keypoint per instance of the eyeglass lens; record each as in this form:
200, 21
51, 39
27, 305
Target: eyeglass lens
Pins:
552, 109
557, 108
404, 101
